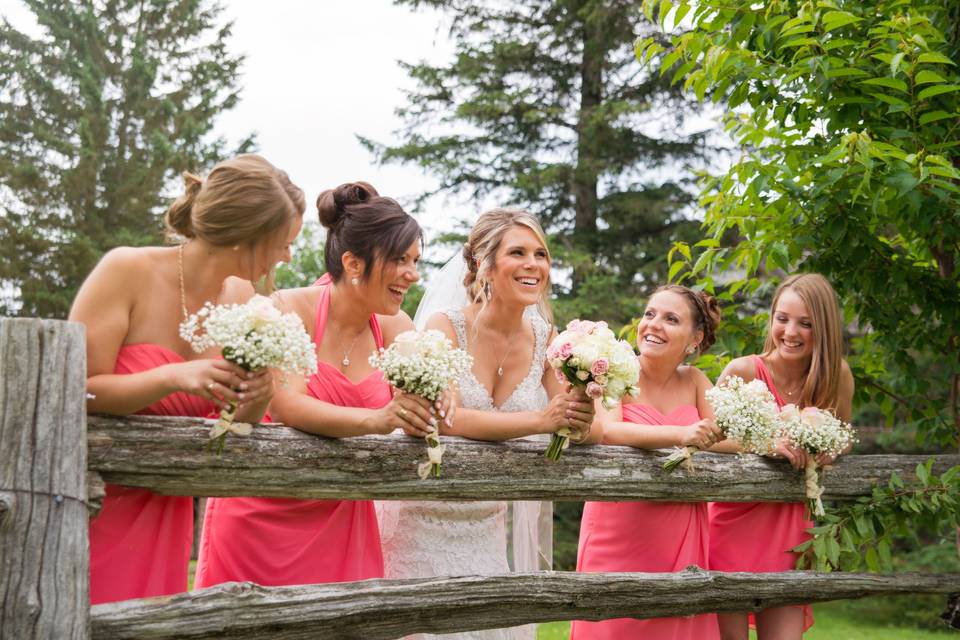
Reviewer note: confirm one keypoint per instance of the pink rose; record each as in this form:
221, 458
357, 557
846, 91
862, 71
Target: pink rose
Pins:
562, 379
594, 390
565, 350
600, 367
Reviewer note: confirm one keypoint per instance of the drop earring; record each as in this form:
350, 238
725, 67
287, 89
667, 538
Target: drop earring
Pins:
690, 350
355, 281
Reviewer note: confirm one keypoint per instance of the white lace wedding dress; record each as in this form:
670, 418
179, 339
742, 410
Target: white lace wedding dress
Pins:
425, 539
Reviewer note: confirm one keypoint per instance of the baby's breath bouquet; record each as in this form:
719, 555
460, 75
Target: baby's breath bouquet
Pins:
815, 431
423, 364
744, 411
254, 336
587, 354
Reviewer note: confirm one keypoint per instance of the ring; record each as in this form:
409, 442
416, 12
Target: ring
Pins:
402, 412
210, 386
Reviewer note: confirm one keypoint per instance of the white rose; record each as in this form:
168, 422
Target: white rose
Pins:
406, 343
262, 311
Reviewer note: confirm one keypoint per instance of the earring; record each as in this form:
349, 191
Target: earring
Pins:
691, 350
354, 281
236, 247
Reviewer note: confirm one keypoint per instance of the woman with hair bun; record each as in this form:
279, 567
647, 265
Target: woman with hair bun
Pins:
671, 410
371, 254
802, 364
232, 228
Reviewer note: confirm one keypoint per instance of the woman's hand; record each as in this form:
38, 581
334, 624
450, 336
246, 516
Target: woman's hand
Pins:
212, 379
701, 434
411, 413
796, 457
446, 407
580, 413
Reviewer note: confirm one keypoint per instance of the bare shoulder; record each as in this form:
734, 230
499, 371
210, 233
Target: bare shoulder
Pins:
237, 290
301, 301
441, 322
742, 367
697, 377
120, 274
394, 325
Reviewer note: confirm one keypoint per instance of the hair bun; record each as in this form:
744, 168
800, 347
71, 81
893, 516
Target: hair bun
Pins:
711, 320
332, 204
179, 217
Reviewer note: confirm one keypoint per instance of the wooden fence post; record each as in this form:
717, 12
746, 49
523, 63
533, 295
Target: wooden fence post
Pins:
44, 553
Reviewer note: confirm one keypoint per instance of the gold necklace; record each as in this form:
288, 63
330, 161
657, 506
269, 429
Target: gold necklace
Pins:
183, 292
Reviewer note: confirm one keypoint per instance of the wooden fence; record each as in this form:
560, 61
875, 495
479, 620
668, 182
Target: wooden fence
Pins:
54, 460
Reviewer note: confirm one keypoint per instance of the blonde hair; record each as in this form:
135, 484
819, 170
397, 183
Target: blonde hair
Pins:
242, 200
822, 385
480, 254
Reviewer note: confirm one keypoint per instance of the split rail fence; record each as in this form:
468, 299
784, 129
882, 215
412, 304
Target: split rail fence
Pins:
54, 460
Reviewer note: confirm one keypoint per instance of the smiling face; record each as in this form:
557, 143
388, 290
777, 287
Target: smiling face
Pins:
390, 279
666, 329
521, 267
791, 327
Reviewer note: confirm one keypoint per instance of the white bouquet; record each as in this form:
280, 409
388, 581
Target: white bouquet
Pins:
254, 336
815, 431
423, 364
744, 411
588, 354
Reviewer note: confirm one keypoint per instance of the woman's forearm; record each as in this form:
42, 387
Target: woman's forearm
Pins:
125, 394
495, 426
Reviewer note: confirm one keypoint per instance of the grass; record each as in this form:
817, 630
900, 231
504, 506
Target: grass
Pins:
834, 621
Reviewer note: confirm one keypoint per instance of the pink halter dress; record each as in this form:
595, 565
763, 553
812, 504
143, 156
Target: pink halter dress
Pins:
140, 542
283, 541
649, 537
758, 536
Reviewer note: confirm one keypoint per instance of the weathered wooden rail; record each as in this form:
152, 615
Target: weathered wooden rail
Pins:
44, 478
168, 455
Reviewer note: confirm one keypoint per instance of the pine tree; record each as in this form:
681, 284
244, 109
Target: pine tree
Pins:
98, 115
545, 106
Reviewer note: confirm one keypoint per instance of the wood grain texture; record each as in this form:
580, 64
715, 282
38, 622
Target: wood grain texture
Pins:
44, 557
380, 609
168, 455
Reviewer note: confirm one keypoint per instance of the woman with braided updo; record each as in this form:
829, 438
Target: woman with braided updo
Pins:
496, 307
670, 410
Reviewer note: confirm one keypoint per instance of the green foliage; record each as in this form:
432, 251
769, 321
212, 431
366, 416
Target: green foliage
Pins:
98, 115
863, 533
847, 114
544, 107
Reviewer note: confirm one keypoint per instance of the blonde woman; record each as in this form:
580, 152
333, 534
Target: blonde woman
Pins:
802, 364
505, 323
233, 227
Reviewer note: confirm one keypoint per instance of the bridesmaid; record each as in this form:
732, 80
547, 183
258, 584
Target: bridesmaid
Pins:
371, 254
234, 227
802, 364
671, 410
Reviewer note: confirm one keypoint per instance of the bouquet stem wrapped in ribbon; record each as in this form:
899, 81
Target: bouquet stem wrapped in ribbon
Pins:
255, 335
424, 364
588, 355
816, 431
745, 412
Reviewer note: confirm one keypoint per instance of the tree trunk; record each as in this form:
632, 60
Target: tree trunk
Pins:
380, 609
44, 555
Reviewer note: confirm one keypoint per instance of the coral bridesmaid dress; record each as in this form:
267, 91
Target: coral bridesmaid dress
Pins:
140, 542
281, 541
758, 536
648, 537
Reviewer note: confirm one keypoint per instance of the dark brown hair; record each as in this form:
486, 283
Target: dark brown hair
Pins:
242, 200
369, 226
705, 310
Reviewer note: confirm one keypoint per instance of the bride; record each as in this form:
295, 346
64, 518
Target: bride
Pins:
495, 305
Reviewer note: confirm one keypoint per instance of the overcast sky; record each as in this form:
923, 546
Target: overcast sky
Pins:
316, 74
